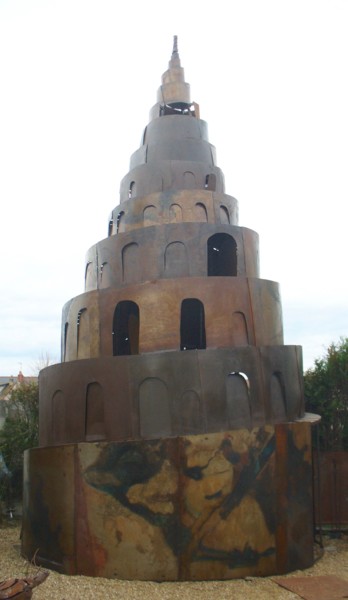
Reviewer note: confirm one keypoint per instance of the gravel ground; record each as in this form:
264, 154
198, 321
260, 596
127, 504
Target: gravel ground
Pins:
61, 587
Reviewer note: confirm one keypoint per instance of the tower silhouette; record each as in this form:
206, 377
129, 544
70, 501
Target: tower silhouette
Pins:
173, 438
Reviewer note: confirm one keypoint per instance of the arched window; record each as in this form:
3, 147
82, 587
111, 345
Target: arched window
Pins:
278, 398
238, 400
154, 409
192, 325
190, 413
82, 334
94, 420
175, 260
200, 213
150, 216
131, 266
210, 182
66, 329
132, 189
144, 136
239, 329
224, 215
120, 222
189, 181
222, 255
125, 331
87, 271
175, 213
105, 274
58, 417
111, 227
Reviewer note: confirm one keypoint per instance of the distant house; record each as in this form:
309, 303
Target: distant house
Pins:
7, 385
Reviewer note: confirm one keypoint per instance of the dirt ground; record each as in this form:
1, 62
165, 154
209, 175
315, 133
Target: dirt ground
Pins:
334, 561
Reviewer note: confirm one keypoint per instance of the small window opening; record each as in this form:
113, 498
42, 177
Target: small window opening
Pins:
94, 413
86, 270
66, 327
177, 108
102, 269
144, 136
224, 215
119, 221
78, 322
244, 376
111, 227
239, 414
125, 332
79, 315
131, 191
210, 182
222, 255
192, 325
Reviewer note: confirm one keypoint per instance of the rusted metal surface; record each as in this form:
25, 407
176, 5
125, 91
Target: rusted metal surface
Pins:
155, 254
320, 587
177, 508
202, 378
175, 376
21, 589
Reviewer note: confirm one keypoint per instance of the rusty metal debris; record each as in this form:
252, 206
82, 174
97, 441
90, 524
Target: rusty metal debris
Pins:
21, 589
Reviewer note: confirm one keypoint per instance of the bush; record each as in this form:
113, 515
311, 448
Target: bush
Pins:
20, 431
326, 392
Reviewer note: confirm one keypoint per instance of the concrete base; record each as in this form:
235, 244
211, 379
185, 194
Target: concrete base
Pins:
199, 507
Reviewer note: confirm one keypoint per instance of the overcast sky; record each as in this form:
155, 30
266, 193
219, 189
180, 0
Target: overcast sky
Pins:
77, 81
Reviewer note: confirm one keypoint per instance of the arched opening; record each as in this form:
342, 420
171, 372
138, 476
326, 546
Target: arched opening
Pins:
192, 325
210, 182
189, 181
175, 213
132, 189
131, 266
190, 413
239, 329
238, 400
150, 216
224, 215
278, 398
222, 255
82, 334
120, 222
111, 227
58, 417
154, 409
105, 275
175, 260
125, 332
87, 271
200, 213
144, 136
94, 420
66, 328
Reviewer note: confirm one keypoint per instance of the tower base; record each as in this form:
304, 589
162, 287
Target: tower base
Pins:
198, 507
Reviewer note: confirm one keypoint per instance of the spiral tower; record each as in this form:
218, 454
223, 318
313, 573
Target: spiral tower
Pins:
173, 439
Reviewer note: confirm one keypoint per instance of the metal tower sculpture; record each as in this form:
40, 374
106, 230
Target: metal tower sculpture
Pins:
173, 440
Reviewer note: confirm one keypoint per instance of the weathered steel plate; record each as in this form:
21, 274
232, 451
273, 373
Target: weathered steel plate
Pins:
320, 587
210, 506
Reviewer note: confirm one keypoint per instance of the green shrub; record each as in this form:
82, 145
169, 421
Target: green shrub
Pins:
19, 432
326, 392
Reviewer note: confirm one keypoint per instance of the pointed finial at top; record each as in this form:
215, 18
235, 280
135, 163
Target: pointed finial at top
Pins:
175, 53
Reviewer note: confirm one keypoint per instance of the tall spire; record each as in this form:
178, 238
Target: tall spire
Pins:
174, 88
174, 62
175, 53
